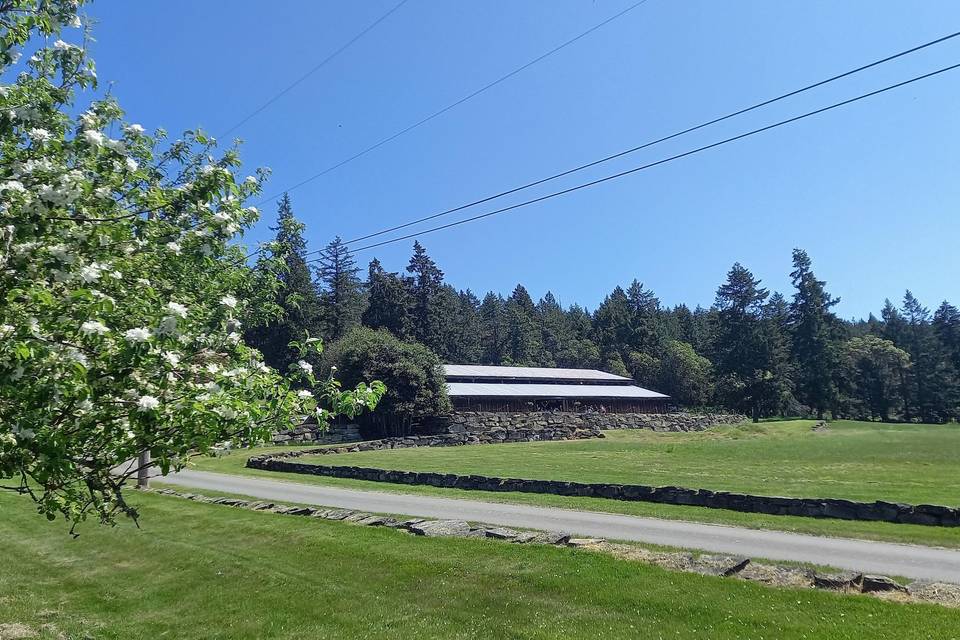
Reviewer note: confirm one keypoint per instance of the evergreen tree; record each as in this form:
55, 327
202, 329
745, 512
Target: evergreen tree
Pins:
583, 351
341, 291
946, 325
646, 333
813, 329
523, 340
932, 383
739, 342
468, 347
493, 332
555, 333
613, 330
425, 282
388, 301
297, 297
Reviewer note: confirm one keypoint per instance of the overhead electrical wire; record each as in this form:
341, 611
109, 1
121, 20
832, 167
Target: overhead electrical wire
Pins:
452, 105
651, 143
662, 161
313, 70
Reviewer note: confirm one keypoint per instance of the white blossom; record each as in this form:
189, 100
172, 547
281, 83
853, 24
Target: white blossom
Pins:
303, 393
93, 137
61, 253
177, 309
132, 164
147, 403
60, 45
229, 301
133, 129
91, 272
140, 334
6, 330
172, 357
39, 135
93, 327
173, 247
226, 413
305, 366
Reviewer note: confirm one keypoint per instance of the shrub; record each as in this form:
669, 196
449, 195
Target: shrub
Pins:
412, 373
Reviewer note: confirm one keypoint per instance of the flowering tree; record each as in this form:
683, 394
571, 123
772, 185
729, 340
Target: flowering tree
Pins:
120, 288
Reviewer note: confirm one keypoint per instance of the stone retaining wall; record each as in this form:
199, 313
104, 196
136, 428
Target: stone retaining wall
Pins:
807, 507
484, 421
312, 433
454, 438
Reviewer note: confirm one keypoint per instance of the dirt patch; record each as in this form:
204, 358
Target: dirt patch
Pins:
16, 631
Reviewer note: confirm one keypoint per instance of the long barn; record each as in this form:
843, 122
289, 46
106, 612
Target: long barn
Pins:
503, 389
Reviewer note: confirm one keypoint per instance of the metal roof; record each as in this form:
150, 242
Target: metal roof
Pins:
483, 371
499, 390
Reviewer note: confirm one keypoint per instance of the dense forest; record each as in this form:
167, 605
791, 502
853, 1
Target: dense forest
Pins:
755, 351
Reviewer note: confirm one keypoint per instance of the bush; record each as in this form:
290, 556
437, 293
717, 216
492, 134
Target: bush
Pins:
412, 373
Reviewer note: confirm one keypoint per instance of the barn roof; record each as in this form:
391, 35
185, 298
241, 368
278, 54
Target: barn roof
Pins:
547, 373
507, 390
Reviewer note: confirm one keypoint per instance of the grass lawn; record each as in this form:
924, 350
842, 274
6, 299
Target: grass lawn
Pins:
665, 447
853, 460
204, 571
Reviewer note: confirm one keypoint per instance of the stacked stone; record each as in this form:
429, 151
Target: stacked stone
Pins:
312, 433
484, 421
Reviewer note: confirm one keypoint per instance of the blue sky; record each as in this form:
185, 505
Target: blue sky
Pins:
870, 191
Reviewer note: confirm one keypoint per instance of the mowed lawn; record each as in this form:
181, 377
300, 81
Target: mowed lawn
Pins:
852, 460
205, 571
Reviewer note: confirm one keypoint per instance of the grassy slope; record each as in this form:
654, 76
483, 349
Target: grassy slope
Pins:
669, 448
202, 571
853, 460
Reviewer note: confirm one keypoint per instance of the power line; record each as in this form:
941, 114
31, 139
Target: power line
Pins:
435, 114
657, 141
663, 161
316, 68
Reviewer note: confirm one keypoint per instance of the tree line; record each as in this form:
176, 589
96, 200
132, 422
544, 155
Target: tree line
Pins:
754, 351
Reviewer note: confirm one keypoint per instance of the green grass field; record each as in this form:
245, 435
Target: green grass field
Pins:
204, 571
860, 457
853, 460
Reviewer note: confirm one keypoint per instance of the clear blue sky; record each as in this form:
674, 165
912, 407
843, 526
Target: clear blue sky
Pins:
871, 192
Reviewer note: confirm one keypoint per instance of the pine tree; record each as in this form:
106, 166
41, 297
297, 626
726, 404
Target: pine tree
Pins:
493, 330
523, 341
341, 292
646, 332
739, 345
388, 301
946, 325
555, 333
298, 298
813, 329
613, 329
425, 282
932, 382
468, 346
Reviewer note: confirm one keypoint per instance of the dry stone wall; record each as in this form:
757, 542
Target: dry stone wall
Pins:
476, 422
312, 434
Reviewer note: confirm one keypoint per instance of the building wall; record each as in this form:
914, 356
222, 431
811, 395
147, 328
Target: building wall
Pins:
573, 405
